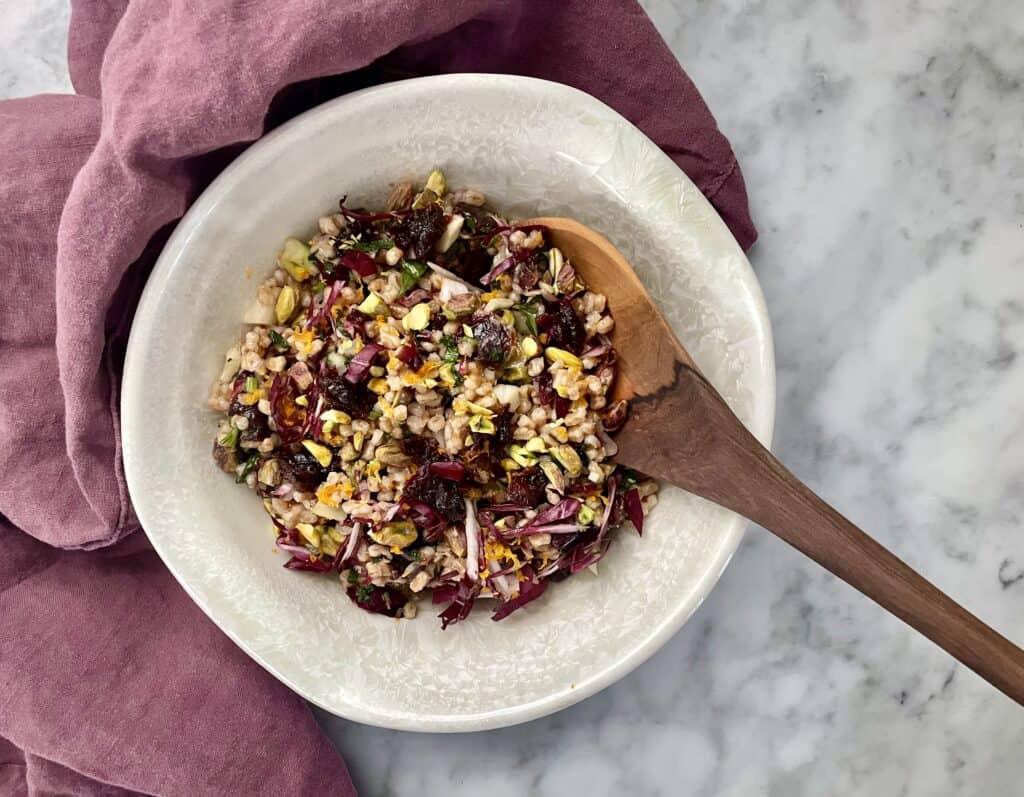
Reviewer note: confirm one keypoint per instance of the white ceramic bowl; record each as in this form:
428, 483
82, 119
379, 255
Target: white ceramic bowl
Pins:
535, 148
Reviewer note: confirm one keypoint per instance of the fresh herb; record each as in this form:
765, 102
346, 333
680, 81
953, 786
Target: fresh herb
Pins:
318, 287
364, 591
375, 413
468, 223
372, 246
413, 555
528, 316
451, 349
277, 340
230, 440
251, 384
248, 467
353, 576
412, 271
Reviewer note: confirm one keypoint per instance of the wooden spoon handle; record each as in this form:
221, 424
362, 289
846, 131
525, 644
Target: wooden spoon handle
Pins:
720, 460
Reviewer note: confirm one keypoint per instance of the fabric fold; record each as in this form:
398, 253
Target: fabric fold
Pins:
114, 682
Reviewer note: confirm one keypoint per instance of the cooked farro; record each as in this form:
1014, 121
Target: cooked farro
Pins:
421, 400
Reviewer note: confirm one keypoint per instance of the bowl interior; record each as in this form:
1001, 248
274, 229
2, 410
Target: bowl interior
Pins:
534, 148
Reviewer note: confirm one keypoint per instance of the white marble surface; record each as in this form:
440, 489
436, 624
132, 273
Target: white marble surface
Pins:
882, 148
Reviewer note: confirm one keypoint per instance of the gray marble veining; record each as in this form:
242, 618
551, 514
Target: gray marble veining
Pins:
882, 144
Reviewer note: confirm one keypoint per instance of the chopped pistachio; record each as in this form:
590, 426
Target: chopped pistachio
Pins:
509, 464
302, 401
516, 374
336, 535
481, 424
309, 531
286, 301
357, 441
378, 386
467, 330
536, 445
336, 417
396, 534
448, 375
270, 473
294, 258
555, 262
522, 456
417, 318
555, 355
322, 454
529, 347
585, 516
463, 406
424, 198
323, 510
328, 547
568, 459
391, 454
435, 182
554, 474
372, 305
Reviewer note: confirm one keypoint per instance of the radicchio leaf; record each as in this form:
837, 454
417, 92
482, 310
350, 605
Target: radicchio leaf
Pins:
634, 508
529, 590
359, 368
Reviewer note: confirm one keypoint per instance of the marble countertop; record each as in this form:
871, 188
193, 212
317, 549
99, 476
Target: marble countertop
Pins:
882, 149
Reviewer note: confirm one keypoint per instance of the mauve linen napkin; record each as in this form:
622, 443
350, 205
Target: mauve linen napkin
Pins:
113, 682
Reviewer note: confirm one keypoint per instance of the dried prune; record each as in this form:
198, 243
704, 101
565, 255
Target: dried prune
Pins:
526, 487
504, 426
257, 428
441, 495
480, 463
564, 328
355, 400
301, 469
421, 450
417, 232
493, 341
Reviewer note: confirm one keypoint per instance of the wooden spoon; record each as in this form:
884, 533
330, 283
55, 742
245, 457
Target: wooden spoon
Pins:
681, 431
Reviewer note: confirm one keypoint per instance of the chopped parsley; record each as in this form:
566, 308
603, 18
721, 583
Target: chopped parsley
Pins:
364, 591
412, 271
372, 246
248, 467
277, 340
528, 316
451, 349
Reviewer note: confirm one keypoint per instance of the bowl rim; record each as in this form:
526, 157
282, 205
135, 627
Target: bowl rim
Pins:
762, 423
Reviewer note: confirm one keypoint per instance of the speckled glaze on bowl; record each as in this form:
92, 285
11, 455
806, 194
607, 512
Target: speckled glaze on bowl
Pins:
536, 148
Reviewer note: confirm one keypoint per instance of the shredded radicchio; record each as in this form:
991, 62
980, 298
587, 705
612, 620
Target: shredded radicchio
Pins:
530, 588
461, 596
495, 516
359, 368
634, 508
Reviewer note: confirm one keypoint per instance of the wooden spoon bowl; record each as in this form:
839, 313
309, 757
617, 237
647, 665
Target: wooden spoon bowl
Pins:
681, 431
